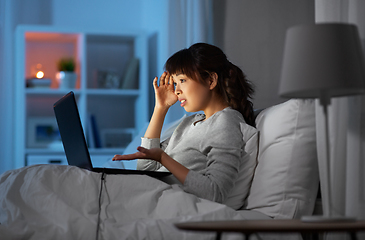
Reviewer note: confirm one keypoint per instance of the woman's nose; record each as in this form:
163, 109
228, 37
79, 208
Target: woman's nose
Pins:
177, 91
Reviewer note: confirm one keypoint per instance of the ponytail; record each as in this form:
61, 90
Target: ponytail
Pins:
238, 91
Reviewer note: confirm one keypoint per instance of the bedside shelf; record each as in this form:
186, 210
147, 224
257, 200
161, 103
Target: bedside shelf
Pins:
124, 111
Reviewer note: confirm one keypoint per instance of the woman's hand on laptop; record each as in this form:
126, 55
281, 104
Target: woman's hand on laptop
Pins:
143, 153
157, 154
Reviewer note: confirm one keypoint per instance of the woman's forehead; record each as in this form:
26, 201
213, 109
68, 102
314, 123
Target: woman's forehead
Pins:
179, 75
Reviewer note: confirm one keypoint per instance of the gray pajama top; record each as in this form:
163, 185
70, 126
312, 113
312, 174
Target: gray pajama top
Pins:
212, 150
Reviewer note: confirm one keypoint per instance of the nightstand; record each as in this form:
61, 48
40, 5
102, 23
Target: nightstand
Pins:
248, 227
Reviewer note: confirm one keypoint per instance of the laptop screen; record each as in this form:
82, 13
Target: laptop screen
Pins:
71, 131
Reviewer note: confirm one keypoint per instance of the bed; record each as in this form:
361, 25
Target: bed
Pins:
65, 202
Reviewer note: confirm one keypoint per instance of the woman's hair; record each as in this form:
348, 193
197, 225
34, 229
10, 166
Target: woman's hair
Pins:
200, 60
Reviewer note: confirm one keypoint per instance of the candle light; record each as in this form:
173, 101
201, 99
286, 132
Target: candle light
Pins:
39, 73
38, 78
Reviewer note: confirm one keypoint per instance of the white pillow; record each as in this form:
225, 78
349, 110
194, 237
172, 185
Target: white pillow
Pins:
286, 178
239, 193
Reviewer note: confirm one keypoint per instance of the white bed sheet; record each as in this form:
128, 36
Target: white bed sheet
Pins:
62, 202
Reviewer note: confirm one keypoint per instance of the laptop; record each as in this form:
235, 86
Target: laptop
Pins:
74, 142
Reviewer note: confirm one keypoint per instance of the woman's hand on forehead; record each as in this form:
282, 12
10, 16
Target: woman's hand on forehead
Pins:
164, 90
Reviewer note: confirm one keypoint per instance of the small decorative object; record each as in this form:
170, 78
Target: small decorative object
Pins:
66, 76
42, 132
37, 80
107, 79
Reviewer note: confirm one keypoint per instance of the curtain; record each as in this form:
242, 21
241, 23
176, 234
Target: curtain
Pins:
346, 127
190, 21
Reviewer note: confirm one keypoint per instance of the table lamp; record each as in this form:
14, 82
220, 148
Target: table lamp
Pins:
322, 61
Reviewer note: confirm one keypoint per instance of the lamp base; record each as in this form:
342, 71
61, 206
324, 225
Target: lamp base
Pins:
324, 219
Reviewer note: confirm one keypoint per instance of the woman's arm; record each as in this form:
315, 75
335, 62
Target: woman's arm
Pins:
157, 154
165, 97
155, 126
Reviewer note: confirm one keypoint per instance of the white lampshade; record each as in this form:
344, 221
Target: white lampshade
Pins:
322, 59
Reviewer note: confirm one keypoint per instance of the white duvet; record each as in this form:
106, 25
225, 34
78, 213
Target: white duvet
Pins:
62, 202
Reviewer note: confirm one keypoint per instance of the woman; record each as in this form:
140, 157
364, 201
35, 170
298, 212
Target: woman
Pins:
206, 151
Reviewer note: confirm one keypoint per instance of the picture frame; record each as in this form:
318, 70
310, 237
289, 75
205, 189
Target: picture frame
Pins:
42, 132
108, 79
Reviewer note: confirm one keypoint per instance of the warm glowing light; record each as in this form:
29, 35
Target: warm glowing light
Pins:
40, 74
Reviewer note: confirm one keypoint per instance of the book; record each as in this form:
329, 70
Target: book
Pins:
90, 133
38, 83
93, 133
130, 77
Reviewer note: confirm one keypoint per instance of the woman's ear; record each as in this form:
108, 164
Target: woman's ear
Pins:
213, 80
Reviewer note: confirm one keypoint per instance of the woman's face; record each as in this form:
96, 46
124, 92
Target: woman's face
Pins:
193, 95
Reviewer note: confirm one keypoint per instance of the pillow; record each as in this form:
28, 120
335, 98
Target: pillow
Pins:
286, 178
239, 193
